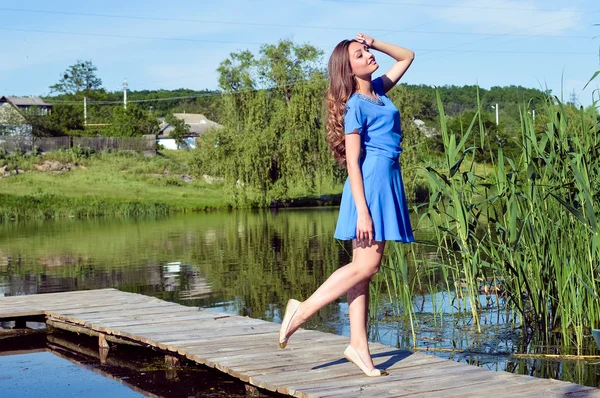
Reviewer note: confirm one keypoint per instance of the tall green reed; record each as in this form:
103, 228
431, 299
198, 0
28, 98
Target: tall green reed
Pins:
530, 228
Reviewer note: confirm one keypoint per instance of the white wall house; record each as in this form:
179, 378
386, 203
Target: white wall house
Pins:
198, 124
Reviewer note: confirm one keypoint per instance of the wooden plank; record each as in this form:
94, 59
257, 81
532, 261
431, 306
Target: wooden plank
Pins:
498, 385
311, 366
161, 324
454, 383
130, 314
412, 367
41, 297
20, 313
115, 306
89, 332
204, 330
543, 387
196, 324
426, 380
86, 307
269, 355
239, 332
133, 320
319, 378
313, 338
187, 316
315, 371
49, 299
79, 317
264, 357
192, 341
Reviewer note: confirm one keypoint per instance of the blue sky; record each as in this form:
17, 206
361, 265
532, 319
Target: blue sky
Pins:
180, 43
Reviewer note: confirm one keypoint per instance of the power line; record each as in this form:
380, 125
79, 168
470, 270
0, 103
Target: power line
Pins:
128, 36
409, 4
201, 95
269, 24
453, 47
394, 3
222, 93
119, 102
167, 19
208, 41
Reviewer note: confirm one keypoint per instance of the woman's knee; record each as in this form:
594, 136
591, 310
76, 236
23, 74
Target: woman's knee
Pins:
369, 270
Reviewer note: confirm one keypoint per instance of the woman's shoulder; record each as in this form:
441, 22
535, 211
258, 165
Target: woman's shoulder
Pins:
353, 102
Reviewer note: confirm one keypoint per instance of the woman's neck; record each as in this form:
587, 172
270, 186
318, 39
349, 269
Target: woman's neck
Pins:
365, 87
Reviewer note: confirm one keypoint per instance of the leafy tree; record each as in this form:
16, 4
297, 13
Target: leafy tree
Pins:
132, 122
60, 121
281, 66
78, 78
273, 137
236, 72
180, 129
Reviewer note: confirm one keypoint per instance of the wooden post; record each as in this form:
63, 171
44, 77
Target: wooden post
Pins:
103, 348
103, 353
252, 391
172, 363
102, 343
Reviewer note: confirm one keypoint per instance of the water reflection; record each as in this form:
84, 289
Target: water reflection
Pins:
80, 369
250, 263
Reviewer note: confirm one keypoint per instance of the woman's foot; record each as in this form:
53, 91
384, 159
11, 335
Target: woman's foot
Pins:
351, 355
290, 323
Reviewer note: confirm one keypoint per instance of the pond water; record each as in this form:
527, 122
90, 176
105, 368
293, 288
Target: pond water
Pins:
250, 263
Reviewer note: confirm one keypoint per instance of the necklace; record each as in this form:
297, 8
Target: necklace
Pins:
376, 101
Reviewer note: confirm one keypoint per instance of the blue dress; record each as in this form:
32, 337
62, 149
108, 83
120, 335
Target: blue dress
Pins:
381, 135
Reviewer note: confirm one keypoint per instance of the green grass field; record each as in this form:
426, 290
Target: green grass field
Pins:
105, 184
126, 184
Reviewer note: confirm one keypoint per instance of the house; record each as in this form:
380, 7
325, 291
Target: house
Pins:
27, 104
198, 124
12, 122
12, 119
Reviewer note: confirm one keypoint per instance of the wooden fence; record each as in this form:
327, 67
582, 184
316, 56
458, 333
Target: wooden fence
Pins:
46, 144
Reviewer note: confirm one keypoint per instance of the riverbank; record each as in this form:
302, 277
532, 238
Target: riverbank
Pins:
73, 184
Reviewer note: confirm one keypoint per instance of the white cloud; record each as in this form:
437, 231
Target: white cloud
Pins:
506, 16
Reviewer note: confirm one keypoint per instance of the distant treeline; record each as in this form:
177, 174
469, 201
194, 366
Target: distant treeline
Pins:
159, 103
271, 105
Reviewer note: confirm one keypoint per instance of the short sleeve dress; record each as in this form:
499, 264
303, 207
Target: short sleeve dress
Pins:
378, 124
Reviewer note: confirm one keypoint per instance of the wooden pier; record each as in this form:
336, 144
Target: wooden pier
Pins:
311, 366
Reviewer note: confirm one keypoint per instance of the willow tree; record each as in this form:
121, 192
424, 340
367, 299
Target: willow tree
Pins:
272, 142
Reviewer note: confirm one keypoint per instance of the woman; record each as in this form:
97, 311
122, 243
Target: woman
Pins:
364, 133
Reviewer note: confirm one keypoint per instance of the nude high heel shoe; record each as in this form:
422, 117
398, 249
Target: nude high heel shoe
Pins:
290, 310
352, 356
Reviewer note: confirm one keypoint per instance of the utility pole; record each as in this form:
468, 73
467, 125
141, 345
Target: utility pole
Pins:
573, 100
125, 94
85, 110
533, 113
496, 108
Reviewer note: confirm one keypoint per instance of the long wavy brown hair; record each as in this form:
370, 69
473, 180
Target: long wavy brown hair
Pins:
341, 86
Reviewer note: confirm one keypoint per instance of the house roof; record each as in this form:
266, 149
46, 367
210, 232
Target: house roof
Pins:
25, 101
197, 122
9, 114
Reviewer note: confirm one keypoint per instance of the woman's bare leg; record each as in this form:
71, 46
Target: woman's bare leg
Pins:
358, 305
365, 263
